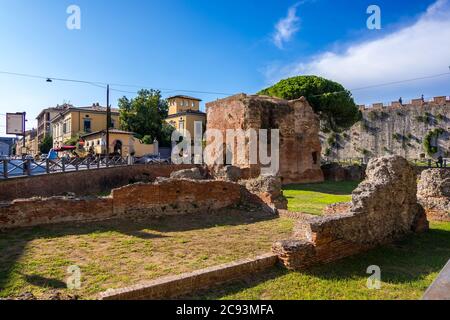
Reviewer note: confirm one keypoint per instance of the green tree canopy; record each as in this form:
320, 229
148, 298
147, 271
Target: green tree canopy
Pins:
330, 100
144, 115
46, 144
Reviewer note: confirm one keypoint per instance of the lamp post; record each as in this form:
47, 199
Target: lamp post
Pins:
108, 120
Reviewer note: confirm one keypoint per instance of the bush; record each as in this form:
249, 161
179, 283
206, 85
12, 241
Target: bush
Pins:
434, 134
373, 115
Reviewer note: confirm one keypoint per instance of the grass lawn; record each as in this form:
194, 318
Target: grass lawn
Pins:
313, 198
120, 253
407, 269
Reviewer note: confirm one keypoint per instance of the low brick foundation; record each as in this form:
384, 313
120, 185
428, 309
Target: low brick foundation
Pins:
172, 197
188, 283
315, 242
164, 197
82, 183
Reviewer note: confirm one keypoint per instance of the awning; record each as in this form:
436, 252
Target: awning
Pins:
65, 148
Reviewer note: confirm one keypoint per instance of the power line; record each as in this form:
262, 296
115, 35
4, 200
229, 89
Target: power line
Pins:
387, 84
165, 90
402, 81
104, 84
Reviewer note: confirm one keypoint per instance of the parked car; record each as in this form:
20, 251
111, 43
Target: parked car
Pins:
152, 159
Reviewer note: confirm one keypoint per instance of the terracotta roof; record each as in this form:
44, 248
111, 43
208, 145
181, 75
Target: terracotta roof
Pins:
199, 113
184, 97
110, 131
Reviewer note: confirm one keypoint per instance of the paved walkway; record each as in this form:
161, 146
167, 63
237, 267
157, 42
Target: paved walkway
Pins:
440, 289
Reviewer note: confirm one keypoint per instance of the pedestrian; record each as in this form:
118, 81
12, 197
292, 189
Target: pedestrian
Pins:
440, 162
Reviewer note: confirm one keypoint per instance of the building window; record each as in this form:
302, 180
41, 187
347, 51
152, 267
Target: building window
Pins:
65, 128
181, 125
315, 157
87, 125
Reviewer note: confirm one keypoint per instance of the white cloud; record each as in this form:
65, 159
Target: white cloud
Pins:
286, 27
413, 51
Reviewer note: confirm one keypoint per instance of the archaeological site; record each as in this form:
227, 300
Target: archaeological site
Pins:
149, 231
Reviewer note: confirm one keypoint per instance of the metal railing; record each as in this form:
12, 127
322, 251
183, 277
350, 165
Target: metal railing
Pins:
427, 163
29, 167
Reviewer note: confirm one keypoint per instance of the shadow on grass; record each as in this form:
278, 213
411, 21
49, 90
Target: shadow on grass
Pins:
44, 282
329, 187
402, 262
14, 242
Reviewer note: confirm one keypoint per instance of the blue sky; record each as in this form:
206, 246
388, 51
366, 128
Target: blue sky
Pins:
217, 46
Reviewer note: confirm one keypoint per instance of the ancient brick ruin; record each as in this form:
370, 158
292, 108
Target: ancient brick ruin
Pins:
434, 193
164, 197
300, 147
384, 208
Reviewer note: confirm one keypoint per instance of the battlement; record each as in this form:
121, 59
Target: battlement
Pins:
414, 103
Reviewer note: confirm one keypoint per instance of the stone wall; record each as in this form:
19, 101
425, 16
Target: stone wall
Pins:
398, 130
82, 183
164, 197
268, 190
384, 208
337, 172
299, 133
434, 193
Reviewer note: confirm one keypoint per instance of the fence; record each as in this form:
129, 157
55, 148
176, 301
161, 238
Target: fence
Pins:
29, 167
427, 163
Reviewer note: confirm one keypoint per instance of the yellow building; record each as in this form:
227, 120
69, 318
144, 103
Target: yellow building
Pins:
120, 143
73, 122
184, 111
31, 144
44, 128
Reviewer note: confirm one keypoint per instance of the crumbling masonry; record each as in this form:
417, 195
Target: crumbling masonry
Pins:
434, 193
300, 147
384, 208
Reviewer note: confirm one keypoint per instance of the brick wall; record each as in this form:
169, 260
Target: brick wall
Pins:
175, 197
82, 182
164, 197
188, 283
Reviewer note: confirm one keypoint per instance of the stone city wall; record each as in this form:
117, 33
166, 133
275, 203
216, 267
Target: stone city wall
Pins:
393, 130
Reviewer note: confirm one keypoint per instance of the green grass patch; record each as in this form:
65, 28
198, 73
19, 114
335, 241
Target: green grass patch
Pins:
407, 267
313, 198
119, 253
